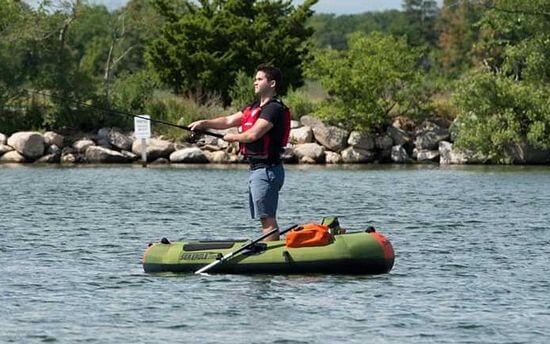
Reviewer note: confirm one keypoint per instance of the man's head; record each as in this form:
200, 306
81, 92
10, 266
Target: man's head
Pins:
268, 80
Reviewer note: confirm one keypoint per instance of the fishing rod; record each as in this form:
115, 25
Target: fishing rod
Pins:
128, 114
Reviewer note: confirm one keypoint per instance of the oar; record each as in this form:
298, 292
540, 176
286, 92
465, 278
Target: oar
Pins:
127, 114
240, 249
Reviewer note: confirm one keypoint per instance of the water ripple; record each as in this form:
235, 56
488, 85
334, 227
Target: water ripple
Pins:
472, 247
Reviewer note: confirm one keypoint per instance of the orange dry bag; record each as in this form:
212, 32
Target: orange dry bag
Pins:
308, 235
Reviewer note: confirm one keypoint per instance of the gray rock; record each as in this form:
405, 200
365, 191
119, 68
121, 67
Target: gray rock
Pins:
332, 138
423, 155
429, 136
310, 153
288, 156
99, 155
356, 155
301, 135
129, 155
80, 146
12, 157
5, 148
188, 155
51, 138
155, 149
211, 141
295, 124
333, 158
217, 157
113, 137
311, 121
54, 149
120, 140
398, 136
68, 158
28, 143
3, 139
384, 142
49, 158
449, 155
361, 140
524, 153
399, 154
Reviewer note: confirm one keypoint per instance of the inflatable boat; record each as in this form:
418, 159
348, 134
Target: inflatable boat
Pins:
367, 252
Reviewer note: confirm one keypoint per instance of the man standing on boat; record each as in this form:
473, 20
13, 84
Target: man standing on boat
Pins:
263, 135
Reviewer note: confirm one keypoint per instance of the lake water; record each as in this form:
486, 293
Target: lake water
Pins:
472, 256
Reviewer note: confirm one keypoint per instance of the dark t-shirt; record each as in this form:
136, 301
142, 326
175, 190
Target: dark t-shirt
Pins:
272, 112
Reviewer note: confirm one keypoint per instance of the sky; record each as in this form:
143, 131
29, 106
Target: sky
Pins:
323, 6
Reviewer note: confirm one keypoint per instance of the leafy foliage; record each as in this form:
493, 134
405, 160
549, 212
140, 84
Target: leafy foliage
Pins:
367, 81
202, 47
508, 101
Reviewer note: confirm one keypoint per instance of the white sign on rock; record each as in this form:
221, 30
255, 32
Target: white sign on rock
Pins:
142, 127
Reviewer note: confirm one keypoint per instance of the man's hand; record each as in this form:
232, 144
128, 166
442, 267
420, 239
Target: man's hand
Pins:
197, 125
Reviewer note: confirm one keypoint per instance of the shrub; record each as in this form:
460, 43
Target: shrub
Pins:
368, 81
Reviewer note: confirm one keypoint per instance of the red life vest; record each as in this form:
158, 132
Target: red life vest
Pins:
260, 148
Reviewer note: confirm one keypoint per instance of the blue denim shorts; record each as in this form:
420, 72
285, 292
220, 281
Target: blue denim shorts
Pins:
263, 190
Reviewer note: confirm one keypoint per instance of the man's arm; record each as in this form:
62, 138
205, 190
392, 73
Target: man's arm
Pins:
259, 129
223, 122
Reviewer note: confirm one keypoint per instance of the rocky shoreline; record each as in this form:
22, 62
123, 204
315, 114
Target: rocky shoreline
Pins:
311, 142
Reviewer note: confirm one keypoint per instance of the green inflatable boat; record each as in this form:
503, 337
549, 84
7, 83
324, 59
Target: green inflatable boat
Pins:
367, 252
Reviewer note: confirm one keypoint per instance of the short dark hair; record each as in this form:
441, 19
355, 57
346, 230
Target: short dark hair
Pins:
272, 73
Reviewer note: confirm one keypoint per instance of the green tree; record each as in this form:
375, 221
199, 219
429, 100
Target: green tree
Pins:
457, 34
202, 47
421, 16
506, 100
331, 31
368, 82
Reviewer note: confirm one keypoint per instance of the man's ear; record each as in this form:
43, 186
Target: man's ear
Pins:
273, 83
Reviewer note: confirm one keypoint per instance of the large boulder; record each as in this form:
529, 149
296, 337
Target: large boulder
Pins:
399, 154
212, 143
449, 155
189, 155
301, 135
524, 153
80, 146
356, 155
155, 148
310, 153
115, 138
398, 136
384, 142
361, 140
5, 148
30, 144
3, 139
424, 155
50, 158
295, 124
218, 157
332, 138
429, 136
12, 157
289, 156
51, 138
311, 121
333, 158
97, 155
68, 158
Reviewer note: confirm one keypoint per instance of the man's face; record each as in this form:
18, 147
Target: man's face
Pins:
262, 84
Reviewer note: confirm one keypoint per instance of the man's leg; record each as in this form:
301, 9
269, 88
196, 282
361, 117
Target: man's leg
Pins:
269, 224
